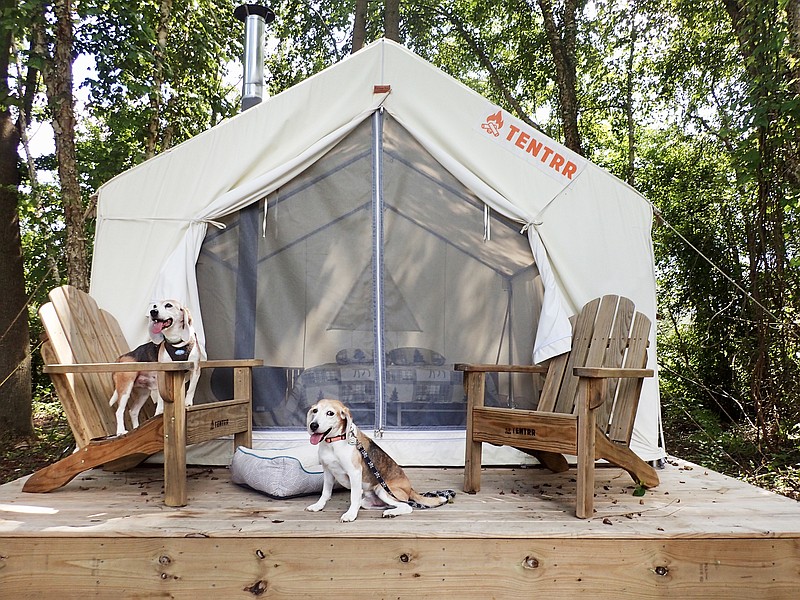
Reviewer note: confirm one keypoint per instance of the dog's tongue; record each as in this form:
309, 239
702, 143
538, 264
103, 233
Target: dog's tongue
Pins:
316, 438
156, 327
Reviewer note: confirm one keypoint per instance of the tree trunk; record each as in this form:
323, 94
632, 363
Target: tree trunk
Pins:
359, 25
630, 176
15, 364
793, 18
57, 75
562, 39
391, 19
772, 373
153, 126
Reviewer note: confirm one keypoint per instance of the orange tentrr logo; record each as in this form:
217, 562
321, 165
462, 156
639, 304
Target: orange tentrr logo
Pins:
494, 123
533, 146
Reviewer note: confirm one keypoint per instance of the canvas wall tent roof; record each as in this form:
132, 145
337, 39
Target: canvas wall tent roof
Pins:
354, 213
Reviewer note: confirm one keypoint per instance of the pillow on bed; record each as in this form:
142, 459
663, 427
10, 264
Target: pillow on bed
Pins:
277, 473
414, 356
354, 356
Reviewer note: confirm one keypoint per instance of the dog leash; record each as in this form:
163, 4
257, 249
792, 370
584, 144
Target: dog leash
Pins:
447, 494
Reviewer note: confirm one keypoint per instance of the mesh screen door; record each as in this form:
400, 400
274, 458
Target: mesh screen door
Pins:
365, 279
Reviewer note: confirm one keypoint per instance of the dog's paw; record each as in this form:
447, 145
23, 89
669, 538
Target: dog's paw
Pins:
349, 516
316, 507
396, 511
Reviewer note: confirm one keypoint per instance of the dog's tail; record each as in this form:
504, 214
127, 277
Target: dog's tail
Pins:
114, 398
431, 499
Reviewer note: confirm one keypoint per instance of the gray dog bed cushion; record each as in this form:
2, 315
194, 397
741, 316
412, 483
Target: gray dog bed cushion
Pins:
277, 473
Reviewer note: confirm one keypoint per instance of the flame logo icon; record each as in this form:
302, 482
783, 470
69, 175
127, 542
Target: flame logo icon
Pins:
493, 124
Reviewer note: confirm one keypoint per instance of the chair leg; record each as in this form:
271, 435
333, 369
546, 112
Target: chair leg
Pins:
586, 447
243, 388
147, 439
623, 457
553, 461
474, 384
472, 468
171, 387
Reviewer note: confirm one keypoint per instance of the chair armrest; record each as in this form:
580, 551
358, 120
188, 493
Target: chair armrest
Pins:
235, 362
115, 367
483, 368
128, 367
609, 372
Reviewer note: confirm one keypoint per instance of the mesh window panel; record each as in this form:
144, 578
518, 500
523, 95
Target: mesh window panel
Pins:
299, 295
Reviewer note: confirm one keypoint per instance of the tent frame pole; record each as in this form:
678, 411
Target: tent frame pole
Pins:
377, 266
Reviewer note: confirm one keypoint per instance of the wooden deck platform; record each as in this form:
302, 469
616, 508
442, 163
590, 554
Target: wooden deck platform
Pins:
698, 535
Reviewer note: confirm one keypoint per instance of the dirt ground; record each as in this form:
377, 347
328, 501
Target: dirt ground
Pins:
53, 441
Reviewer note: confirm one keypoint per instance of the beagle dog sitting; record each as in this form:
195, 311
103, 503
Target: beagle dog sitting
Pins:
331, 427
173, 338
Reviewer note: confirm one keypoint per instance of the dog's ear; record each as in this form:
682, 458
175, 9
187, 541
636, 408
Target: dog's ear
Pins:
186, 324
344, 415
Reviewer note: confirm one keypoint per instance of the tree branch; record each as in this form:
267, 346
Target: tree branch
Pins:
486, 62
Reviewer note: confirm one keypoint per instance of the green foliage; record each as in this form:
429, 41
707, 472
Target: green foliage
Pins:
722, 177
311, 37
464, 38
190, 82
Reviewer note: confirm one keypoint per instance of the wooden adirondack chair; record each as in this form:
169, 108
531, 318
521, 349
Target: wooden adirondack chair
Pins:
587, 405
82, 345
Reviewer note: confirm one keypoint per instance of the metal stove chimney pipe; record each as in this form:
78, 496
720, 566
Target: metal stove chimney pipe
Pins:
255, 17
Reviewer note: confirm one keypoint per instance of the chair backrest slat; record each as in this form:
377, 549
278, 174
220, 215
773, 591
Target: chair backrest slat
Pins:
615, 352
78, 331
582, 331
608, 332
627, 400
556, 370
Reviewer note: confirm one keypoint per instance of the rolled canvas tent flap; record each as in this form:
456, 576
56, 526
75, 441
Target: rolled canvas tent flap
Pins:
589, 232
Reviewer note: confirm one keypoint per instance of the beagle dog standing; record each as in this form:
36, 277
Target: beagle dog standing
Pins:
331, 427
173, 338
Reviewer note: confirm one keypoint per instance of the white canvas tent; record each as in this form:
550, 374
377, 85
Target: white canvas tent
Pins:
364, 230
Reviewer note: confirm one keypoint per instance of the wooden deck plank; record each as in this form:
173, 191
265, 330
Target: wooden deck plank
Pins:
698, 535
406, 569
